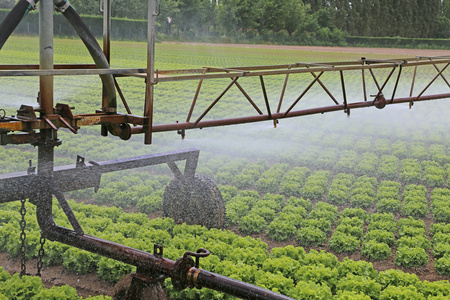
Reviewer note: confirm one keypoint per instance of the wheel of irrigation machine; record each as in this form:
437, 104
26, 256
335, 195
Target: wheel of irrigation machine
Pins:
199, 202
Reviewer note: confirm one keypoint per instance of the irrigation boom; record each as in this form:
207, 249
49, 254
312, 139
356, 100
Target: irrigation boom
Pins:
131, 124
38, 126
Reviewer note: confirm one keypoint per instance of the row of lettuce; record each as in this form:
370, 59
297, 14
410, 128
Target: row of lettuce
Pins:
289, 270
418, 164
374, 235
279, 181
387, 167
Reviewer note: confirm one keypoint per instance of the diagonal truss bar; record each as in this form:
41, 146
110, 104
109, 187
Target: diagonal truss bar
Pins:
122, 97
442, 75
302, 94
380, 89
283, 90
325, 88
396, 82
344, 94
266, 100
215, 101
413, 81
380, 92
248, 97
67, 210
375, 79
197, 92
387, 79
433, 80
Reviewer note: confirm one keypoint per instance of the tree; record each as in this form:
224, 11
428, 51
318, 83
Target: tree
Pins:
190, 16
86, 7
295, 14
226, 17
274, 15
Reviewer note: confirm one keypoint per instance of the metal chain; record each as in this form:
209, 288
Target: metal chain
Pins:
40, 255
23, 235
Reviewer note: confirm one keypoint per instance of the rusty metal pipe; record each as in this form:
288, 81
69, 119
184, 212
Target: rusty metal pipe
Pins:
94, 49
151, 264
305, 112
233, 287
150, 72
13, 19
46, 56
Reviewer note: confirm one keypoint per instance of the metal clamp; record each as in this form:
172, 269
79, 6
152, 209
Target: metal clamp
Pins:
179, 272
159, 9
183, 272
32, 4
63, 8
379, 101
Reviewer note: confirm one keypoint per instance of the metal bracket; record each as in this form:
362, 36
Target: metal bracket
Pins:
80, 162
26, 112
31, 170
379, 101
185, 263
32, 4
63, 8
179, 272
159, 9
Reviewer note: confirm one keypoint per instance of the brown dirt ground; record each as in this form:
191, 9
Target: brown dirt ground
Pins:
90, 285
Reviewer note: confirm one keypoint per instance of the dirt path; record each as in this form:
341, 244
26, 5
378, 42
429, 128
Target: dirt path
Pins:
393, 51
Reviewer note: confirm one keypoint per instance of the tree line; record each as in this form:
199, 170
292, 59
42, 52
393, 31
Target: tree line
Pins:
300, 20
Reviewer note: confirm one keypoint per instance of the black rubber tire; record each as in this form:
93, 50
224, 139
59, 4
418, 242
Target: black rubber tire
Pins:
200, 203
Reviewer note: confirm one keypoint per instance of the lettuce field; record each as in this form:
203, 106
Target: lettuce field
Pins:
321, 207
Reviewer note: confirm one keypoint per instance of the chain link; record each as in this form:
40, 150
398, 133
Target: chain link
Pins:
40, 255
23, 235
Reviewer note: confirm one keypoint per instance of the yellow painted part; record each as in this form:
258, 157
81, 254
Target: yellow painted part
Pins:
11, 126
89, 120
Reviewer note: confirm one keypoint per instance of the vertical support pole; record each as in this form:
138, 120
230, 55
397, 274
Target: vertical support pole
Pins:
266, 100
150, 83
363, 59
344, 94
107, 29
46, 56
46, 143
106, 49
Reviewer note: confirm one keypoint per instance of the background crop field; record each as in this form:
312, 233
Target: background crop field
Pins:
337, 181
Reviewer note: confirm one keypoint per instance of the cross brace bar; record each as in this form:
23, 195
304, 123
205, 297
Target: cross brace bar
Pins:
70, 177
